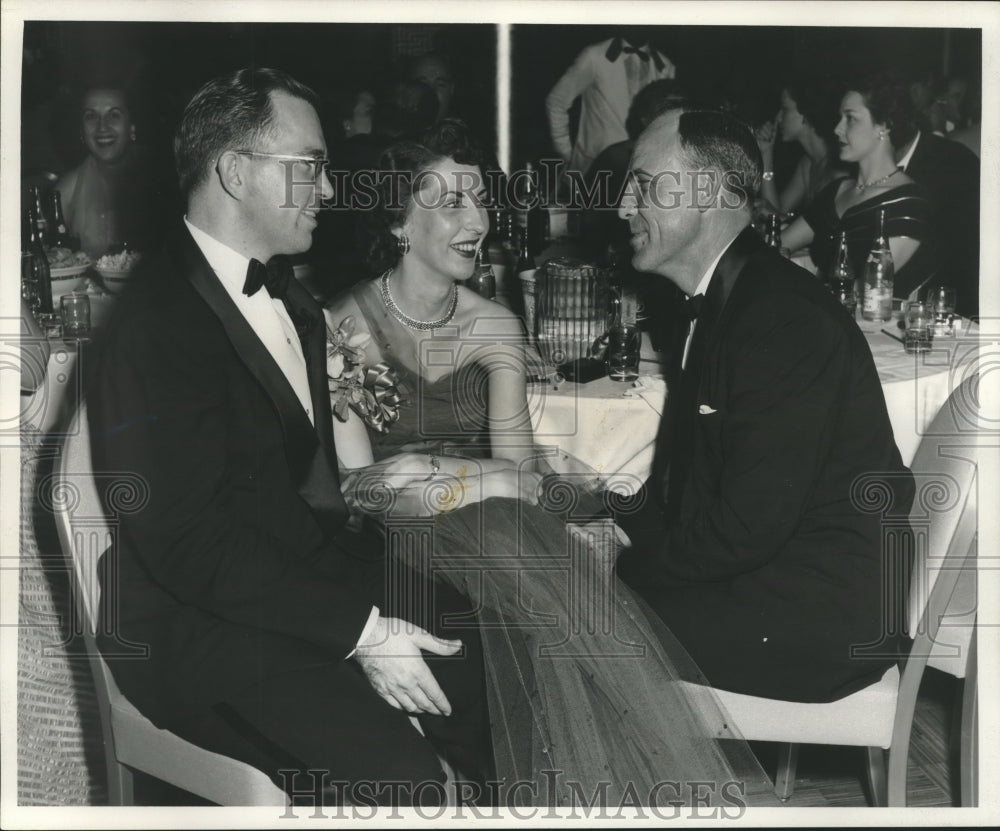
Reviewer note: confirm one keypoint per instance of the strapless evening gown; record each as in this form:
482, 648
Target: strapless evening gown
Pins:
587, 687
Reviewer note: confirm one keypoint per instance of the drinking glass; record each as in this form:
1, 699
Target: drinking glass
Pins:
75, 310
572, 303
624, 343
919, 332
942, 301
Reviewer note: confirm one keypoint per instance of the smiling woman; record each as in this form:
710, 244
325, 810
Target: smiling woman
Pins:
462, 452
111, 198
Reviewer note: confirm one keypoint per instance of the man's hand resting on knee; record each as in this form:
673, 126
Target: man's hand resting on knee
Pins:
391, 659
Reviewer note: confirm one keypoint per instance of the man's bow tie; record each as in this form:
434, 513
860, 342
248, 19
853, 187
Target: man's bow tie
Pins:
631, 50
692, 306
276, 275
619, 45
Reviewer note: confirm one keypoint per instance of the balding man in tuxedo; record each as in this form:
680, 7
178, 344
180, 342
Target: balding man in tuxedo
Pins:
746, 539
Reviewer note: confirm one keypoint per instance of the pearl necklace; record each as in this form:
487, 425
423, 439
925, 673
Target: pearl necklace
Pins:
410, 322
862, 185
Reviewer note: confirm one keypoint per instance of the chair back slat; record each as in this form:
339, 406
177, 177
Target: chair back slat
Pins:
944, 513
83, 528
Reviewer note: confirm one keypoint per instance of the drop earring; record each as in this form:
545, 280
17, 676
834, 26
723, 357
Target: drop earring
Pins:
403, 245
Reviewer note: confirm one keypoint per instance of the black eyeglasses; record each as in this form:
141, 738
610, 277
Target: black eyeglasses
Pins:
314, 166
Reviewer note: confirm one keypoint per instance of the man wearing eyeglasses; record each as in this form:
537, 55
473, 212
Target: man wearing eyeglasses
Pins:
272, 634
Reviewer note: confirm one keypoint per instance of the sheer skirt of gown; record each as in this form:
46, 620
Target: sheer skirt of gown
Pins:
590, 694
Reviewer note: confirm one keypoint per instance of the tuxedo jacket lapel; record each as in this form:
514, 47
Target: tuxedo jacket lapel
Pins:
675, 446
311, 327
312, 462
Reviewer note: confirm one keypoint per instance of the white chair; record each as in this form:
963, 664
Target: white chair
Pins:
131, 741
880, 717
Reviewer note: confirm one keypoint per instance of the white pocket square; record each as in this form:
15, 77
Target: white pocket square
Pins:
704, 409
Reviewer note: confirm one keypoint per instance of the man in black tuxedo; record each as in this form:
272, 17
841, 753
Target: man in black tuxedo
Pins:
748, 539
266, 630
949, 172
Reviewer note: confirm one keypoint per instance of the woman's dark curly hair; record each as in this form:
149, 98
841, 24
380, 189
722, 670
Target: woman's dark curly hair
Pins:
818, 102
399, 176
887, 97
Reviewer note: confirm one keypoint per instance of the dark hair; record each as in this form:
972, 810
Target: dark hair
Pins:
888, 99
111, 86
649, 102
229, 112
714, 139
818, 103
398, 171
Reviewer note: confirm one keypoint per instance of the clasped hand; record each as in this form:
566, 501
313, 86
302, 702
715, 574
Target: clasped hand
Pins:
456, 482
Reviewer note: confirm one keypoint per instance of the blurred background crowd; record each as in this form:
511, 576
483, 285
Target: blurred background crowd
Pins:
100, 102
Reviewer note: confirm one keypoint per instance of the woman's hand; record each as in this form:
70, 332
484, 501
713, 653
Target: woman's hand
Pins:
526, 485
510, 483
604, 539
404, 469
765, 135
377, 487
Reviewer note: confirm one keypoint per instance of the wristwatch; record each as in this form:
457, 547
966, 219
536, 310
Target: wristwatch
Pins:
768, 176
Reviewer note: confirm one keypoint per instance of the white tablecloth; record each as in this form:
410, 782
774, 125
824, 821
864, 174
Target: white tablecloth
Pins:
916, 386
604, 423
52, 405
613, 431
610, 425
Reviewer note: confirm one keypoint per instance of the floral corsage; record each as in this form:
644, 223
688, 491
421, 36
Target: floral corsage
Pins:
372, 392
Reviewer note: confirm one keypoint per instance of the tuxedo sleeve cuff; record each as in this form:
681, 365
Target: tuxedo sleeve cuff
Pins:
369, 626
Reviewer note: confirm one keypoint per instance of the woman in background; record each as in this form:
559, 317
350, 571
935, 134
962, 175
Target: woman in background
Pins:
807, 116
111, 199
873, 121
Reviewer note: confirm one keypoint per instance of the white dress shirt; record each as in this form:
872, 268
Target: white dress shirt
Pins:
903, 162
267, 316
269, 320
701, 289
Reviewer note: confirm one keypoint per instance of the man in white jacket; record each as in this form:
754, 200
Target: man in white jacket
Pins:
607, 75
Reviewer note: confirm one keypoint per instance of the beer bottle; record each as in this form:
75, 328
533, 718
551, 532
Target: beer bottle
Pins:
39, 265
525, 259
61, 236
538, 224
841, 277
879, 272
483, 282
773, 235
527, 197
40, 219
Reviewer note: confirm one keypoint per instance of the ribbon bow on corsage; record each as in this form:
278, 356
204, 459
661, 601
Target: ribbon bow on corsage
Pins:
372, 392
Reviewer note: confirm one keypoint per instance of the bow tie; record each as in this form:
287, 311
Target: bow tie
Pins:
692, 306
619, 45
631, 50
276, 276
